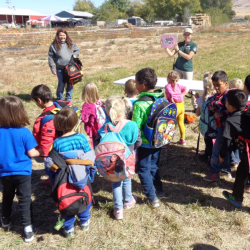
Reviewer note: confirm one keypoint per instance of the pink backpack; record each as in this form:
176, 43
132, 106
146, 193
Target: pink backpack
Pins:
114, 160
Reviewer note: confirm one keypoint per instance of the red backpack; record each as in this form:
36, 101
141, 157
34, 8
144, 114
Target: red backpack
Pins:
69, 199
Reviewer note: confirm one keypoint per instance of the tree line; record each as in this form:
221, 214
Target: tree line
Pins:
150, 10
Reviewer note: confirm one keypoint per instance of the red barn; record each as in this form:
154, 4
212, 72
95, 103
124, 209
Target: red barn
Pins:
19, 16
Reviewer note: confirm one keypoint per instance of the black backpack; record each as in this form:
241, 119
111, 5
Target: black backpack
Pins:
69, 199
72, 71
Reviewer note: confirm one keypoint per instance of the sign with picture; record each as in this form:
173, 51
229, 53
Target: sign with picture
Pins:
169, 40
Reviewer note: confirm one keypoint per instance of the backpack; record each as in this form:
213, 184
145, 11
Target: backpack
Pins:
161, 124
114, 160
207, 125
100, 115
49, 115
72, 71
70, 200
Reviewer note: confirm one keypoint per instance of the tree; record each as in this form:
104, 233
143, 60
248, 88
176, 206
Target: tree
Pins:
108, 12
123, 5
85, 5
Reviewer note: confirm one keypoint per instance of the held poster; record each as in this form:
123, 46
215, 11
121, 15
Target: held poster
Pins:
169, 40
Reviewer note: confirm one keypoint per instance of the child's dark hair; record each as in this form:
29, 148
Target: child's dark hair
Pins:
65, 120
237, 98
247, 83
220, 75
12, 112
42, 92
146, 76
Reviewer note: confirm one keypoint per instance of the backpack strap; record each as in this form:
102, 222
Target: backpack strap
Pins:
118, 126
147, 98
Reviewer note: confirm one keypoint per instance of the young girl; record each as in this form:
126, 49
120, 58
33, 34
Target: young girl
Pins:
17, 147
93, 114
72, 145
208, 92
115, 109
174, 94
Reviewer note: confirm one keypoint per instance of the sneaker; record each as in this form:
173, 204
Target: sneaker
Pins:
130, 204
6, 222
161, 194
211, 177
231, 198
30, 235
68, 233
225, 174
118, 214
85, 226
182, 142
154, 203
247, 189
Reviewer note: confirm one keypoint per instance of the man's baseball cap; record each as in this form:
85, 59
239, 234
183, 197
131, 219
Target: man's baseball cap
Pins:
188, 30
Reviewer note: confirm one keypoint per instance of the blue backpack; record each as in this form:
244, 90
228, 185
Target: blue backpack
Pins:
207, 125
161, 124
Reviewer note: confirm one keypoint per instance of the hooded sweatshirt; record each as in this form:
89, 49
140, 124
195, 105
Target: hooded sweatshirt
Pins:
60, 58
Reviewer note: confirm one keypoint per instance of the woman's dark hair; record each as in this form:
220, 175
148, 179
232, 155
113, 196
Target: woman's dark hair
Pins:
146, 76
65, 120
12, 112
237, 98
247, 83
57, 42
42, 92
119, 165
220, 75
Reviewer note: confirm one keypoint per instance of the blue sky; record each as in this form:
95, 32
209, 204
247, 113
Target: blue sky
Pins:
46, 7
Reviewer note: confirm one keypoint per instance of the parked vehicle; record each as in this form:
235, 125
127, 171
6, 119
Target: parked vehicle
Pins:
162, 22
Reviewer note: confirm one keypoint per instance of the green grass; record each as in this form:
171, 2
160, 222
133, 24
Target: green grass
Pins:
194, 214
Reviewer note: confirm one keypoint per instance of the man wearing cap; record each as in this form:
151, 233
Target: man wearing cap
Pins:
184, 62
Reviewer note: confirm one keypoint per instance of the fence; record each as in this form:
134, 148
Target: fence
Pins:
19, 38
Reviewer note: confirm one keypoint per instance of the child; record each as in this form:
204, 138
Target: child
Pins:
46, 134
235, 83
93, 114
115, 109
147, 156
218, 105
17, 147
175, 93
234, 127
73, 145
131, 91
208, 92
128, 108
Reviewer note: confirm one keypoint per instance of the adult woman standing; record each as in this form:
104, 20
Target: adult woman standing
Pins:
60, 52
184, 63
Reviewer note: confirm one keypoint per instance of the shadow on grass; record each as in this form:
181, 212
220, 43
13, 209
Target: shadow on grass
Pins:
199, 246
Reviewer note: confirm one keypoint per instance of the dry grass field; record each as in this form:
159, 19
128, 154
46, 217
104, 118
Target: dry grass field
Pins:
194, 214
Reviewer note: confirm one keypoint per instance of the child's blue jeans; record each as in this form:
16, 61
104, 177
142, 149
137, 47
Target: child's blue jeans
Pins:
147, 168
122, 191
216, 165
70, 220
61, 86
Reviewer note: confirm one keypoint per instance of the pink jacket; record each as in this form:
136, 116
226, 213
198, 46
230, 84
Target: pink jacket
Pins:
175, 94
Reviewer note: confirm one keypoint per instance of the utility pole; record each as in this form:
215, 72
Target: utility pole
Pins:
8, 2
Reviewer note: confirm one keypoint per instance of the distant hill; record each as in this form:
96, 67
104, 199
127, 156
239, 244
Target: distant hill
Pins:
241, 7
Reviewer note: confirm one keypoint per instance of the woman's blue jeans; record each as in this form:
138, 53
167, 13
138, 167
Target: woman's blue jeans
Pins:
122, 191
61, 86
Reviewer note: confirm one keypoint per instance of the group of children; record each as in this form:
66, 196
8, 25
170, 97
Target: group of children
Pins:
128, 116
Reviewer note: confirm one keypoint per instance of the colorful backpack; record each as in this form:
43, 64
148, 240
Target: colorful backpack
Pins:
100, 114
70, 199
207, 125
114, 160
161, 124
49, 115
72, 71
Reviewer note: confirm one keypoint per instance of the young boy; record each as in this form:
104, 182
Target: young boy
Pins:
72, 145
131, 91
148, 156
218, 105
235, 126
46, 134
